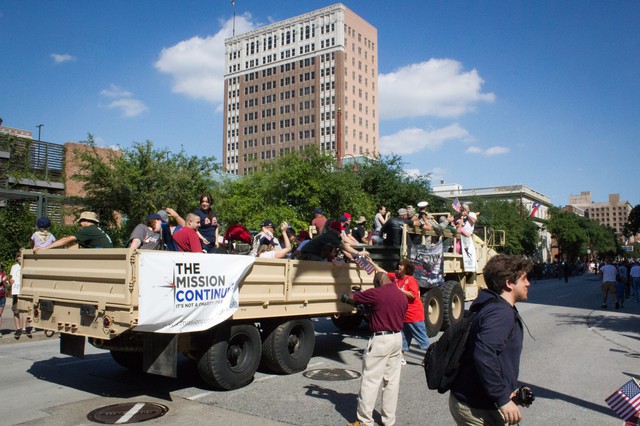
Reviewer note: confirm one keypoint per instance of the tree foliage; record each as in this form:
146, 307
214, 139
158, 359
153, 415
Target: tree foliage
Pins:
632, 227
141, 180
575, 234
522, 235
292, 187
17, 224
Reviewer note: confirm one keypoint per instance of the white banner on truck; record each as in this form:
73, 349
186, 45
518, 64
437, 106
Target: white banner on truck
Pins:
186, 292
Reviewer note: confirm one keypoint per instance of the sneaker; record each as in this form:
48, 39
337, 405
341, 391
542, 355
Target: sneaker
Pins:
604, 306
617, 305
17, 334
356, 423
28, 333
403, 361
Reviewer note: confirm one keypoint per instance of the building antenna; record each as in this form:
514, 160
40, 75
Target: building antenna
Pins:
233, 4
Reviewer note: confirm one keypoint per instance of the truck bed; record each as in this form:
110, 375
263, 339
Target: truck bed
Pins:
95, 292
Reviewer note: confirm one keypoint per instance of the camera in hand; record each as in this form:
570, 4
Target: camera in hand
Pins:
524, 397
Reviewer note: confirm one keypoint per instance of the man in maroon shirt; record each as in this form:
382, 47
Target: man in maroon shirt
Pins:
186, 238
387, 306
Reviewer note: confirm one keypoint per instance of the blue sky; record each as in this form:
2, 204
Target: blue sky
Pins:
540, 93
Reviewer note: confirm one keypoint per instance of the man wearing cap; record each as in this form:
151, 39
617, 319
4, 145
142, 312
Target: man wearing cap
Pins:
187, 238
147, 237
319, 221
359, 232
393, 228
266, 227
381, 361
313, 249
88, 236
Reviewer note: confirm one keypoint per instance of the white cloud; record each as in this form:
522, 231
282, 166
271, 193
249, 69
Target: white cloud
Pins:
494, 150
115, 92
123, 100
409, 141
60, 58
197, 64
438, 87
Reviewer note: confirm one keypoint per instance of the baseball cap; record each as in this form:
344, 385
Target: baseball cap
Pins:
267, 222
317, 211
43, 222
164, 216
402, 211
153, 216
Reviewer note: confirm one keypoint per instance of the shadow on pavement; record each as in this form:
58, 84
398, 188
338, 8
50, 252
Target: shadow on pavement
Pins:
98, 374
343, 402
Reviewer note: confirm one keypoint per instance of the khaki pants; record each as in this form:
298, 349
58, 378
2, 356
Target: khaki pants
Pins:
608, 287
380, 365
464, 415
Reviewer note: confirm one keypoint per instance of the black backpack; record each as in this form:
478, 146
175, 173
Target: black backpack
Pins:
442, 360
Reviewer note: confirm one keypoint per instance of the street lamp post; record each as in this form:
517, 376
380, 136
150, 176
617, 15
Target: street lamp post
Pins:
39, 126
355, 163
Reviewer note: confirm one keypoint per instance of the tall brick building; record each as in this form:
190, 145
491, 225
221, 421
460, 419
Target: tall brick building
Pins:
308, 80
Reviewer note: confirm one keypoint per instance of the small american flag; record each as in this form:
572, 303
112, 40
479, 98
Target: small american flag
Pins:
456, 205
626, 400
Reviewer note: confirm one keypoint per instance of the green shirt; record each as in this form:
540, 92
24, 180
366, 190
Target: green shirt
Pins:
93, 237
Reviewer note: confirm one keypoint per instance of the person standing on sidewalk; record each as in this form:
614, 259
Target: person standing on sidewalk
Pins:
635, 278
4, 284
609, 274
16, 285
387, 306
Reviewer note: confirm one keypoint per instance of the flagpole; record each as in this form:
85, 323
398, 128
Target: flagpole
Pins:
233, 4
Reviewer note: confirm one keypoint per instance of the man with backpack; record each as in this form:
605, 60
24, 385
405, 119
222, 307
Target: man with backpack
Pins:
485, 390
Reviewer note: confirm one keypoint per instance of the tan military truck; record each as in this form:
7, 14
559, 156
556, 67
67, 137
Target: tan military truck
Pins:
227, 312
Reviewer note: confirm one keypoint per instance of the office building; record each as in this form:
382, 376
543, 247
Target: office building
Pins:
614, 213
307, 81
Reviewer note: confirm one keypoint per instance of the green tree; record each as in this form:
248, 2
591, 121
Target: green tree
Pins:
141, 180
290, 189
522, 235
17, 224
387, 183
569, 232
632, 227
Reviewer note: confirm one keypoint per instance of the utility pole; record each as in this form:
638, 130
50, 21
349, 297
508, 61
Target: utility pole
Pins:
39, 126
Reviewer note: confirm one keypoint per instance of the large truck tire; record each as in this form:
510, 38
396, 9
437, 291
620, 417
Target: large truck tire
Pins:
128, 359
453, 303
347, 322
288, 348
433, 312
233, 357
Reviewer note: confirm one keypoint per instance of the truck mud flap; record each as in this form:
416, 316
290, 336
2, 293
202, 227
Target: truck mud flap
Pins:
160, 354
72, 345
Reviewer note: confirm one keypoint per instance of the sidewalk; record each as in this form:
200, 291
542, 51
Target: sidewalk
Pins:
8, 328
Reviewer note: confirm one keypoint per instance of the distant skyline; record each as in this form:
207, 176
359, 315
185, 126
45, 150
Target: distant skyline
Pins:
544, 94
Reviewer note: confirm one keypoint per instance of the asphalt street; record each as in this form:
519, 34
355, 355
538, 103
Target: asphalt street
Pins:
575, 355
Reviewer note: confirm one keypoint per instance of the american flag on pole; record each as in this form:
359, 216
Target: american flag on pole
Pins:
534, 209
456, 205
626, 400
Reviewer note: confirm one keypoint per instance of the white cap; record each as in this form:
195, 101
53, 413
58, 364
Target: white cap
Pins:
422, 204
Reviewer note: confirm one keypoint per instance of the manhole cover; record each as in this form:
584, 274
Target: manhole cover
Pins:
331, 374
128, 412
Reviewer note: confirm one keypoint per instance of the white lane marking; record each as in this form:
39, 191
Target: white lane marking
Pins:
132, 412
198, 396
